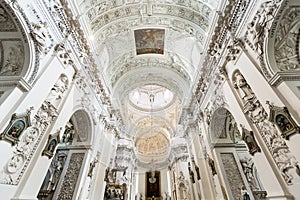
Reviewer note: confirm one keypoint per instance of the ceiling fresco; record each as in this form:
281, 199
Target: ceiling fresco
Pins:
149, 41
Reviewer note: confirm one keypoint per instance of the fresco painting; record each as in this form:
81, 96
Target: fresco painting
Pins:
149, 41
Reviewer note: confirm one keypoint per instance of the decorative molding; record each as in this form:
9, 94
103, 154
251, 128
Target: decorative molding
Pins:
128, 11
12, 81
91, 168
280, 77
229, 22
130, 62
64, 19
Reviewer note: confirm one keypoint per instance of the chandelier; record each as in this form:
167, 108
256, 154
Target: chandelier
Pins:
152, 178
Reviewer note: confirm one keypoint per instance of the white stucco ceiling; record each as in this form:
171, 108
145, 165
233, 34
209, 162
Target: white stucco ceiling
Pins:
110, 26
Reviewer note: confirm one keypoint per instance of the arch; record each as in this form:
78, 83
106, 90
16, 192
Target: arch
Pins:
278, 44
223, 128
282, 45
19, 57
153, 138
161, 122
78, 134
80, 123
155, 76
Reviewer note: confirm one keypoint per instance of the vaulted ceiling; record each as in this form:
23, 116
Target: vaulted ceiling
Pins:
149, 54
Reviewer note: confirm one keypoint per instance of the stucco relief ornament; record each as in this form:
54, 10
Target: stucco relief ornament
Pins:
248, 169
285, 162
244, 90
251, 105
57, 91
15, 163
275, 143
25, 144
38, 35
8, 174
45, 115
286, 47
259, 26
233, 49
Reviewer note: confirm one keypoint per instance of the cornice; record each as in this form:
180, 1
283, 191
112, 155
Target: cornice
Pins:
280, 77
15, 81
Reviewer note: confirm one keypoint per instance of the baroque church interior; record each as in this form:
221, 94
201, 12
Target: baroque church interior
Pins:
149, 99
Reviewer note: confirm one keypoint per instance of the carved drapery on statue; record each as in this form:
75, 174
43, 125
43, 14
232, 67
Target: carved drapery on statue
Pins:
197, 169
182, 187
273, 140
252, 178
69, 133
57, 91
91, 168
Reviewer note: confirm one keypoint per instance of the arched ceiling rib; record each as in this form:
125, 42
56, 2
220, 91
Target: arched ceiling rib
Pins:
154, 75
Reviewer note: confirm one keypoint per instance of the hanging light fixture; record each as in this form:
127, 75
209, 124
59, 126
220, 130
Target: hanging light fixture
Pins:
152, 178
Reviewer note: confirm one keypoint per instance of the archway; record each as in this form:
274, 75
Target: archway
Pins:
65, 170
236, 170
